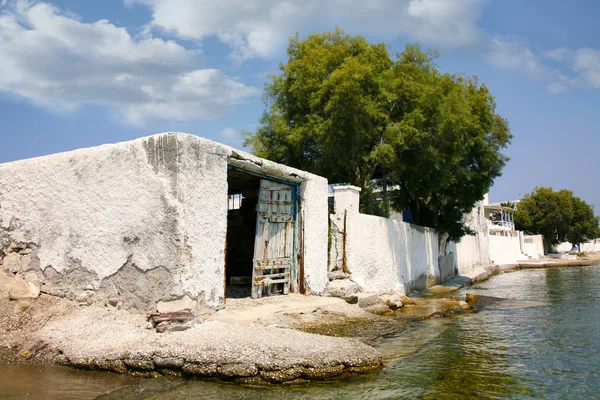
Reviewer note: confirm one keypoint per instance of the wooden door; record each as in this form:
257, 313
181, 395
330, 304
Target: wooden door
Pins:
273, 246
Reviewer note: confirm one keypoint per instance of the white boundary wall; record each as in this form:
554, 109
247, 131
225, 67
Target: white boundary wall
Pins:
381, 254
472, 251
592, 246
505, 249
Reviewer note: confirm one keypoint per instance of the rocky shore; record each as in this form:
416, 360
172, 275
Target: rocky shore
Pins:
274, 340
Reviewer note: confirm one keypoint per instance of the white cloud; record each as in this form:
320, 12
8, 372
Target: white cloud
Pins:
229, 133
576, 68
60, 63
260, 28
586, 62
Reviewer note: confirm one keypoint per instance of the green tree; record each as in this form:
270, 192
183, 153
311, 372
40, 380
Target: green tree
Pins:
343, 108
558, 216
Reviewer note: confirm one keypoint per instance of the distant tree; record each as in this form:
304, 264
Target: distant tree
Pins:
342, 108
558, 216
509, 204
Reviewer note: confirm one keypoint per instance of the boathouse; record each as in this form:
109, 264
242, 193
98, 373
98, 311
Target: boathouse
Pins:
170, 221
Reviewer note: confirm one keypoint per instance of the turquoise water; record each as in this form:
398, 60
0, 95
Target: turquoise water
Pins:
543, 342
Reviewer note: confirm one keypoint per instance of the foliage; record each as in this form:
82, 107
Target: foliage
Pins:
344, 109
558, 216
509, 204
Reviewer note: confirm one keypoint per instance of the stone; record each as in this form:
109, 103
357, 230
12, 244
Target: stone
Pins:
378, 309
284, 375
392, 301
113, 302
21, 306
237, 370
12, 263
184, 303
168, 362
363, 299
19, 289
339, 274
85, 297
30, 262
407, 300
342, 288
142, 365
326, 372
33, 278
480, 302
200, 369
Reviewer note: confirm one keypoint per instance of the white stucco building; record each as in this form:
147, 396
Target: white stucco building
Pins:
169, 221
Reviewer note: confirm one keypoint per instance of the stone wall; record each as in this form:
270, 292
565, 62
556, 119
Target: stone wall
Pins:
141, 222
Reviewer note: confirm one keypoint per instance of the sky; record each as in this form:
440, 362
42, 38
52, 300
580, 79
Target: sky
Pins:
83, 73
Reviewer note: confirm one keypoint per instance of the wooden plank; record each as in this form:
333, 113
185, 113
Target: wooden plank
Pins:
277, 275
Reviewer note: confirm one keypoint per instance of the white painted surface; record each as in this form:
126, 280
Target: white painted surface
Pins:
592, 246
472, 251
385, 254
159, 201
347, 198
505, 249
533, 246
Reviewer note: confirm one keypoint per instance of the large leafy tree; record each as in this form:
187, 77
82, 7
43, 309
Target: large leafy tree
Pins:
558, 216
343, 108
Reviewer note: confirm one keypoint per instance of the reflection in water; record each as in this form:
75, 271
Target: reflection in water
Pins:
542, 343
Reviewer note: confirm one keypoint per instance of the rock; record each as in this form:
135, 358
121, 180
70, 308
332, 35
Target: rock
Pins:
30, 262
21, 306
407, 300
336, 275
342, 288
33, 278
237, 370
325, 372
378, 309
142, 365
85, 297
392, 301
200, 369
20, 289
168, 362
113, 302
479, 302
12, 263
363, 299
184, 303
283, 375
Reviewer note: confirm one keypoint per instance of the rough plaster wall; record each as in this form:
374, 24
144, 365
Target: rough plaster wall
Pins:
385, 254
147, 216
473, 250
313, 195
504, 249
202, 191
91, 210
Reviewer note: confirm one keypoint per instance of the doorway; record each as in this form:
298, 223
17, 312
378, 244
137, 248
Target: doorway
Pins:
242, 205
261, 235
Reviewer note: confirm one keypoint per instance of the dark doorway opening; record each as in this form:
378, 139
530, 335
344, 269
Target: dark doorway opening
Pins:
243, 190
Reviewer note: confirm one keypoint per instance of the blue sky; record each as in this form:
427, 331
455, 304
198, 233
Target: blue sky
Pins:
83, 73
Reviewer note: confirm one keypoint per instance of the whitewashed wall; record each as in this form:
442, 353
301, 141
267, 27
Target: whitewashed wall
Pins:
472, 251
593, 246
533, 246
383, 254
505, 249
143, 221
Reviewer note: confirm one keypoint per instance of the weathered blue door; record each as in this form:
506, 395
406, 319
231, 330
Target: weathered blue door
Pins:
274, 243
